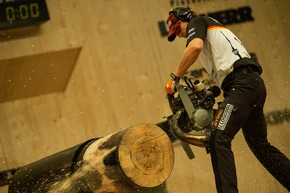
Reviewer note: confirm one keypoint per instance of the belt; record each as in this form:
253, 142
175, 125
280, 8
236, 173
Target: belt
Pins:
236, 73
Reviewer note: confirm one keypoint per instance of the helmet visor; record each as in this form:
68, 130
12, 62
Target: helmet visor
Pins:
174, 27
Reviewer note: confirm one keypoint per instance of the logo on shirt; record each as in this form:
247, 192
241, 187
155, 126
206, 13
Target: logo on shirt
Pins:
191, 32
191, 29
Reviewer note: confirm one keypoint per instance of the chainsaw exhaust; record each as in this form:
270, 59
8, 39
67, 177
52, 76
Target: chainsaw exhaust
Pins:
197, 140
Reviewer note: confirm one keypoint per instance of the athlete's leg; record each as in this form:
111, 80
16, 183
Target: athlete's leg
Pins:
229, 119
231, 116
255, 133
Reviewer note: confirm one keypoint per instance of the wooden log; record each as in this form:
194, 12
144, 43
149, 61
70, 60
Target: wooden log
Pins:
137, 158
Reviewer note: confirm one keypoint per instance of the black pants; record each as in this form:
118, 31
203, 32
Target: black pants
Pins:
243, 108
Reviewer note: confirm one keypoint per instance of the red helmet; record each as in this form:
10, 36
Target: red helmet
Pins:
175, 15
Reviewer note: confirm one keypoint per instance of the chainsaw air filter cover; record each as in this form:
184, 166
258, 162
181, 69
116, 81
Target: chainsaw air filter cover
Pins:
202, 118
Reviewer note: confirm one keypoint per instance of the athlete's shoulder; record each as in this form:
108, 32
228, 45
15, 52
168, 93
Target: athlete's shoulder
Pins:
196, 28
211, 21
203, 20
198, 20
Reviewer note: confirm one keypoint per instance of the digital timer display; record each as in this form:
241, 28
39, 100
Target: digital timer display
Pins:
17, 13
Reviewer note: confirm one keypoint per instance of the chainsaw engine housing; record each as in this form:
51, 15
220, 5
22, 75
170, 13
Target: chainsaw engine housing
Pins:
202, 100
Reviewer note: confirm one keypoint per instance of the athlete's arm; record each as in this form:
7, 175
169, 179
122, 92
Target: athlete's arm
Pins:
189, 56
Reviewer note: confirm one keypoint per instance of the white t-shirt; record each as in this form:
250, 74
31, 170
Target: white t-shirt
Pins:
221, 50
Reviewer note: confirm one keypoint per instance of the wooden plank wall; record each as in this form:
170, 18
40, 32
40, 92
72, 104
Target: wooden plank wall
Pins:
119, 80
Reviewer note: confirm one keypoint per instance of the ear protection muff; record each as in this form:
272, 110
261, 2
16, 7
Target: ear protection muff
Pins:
183, 14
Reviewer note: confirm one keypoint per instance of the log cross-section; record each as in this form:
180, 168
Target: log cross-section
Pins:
138, 157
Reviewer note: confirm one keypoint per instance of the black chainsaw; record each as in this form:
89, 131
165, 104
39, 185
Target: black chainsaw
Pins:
193, 112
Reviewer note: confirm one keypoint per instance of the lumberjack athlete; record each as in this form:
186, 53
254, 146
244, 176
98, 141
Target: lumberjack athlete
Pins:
228, 63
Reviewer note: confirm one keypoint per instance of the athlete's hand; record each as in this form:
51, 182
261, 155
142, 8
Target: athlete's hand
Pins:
170, 87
